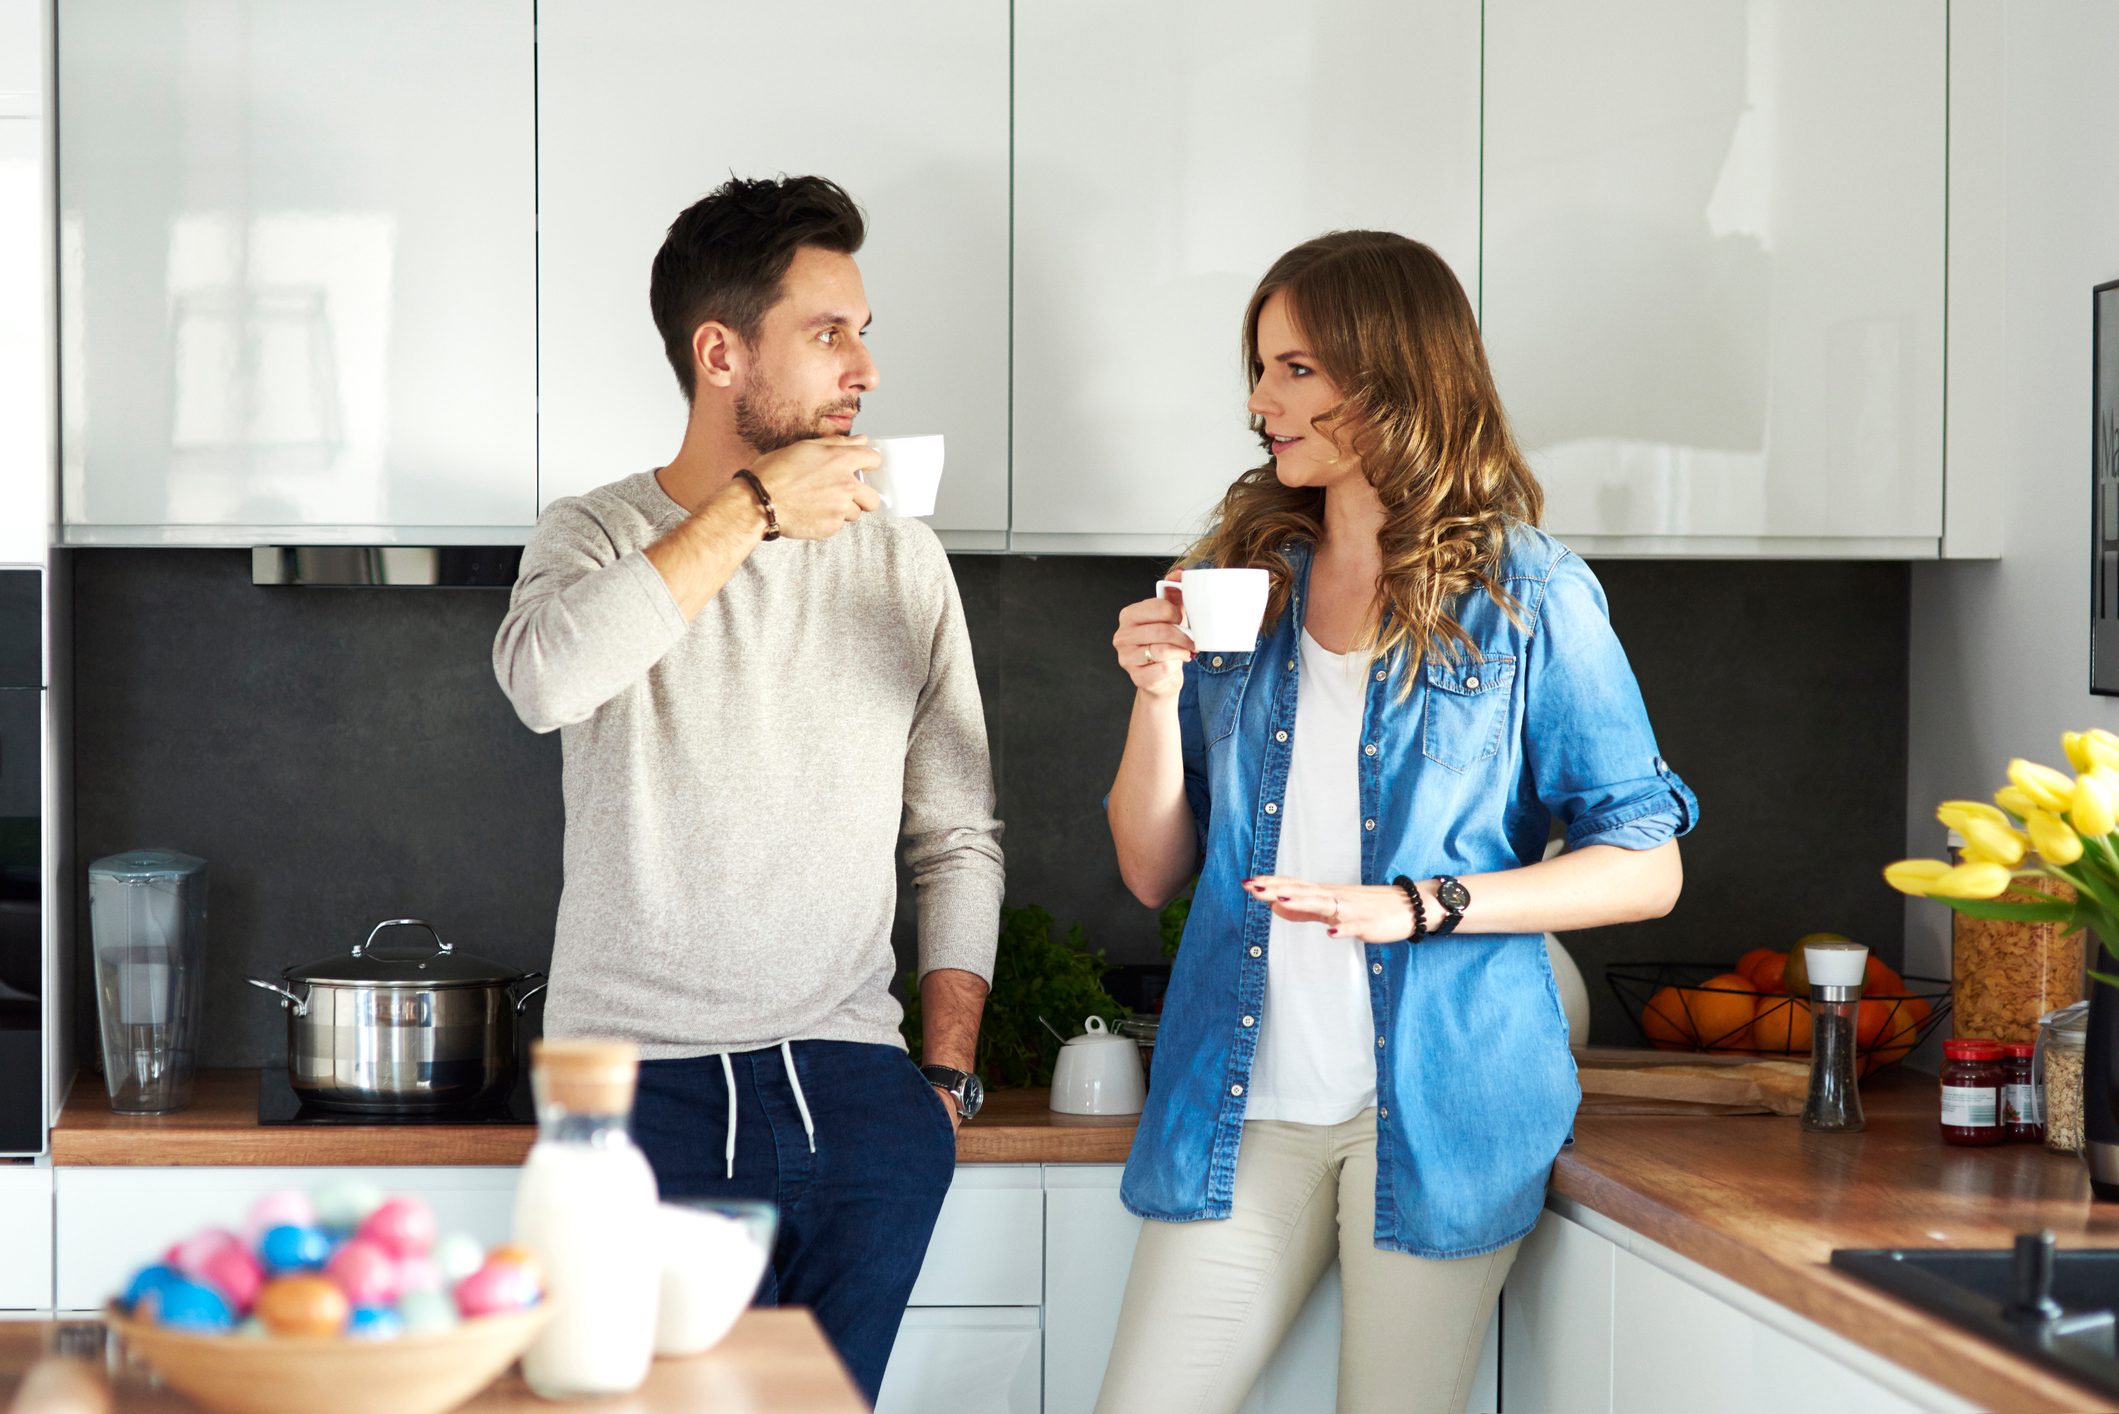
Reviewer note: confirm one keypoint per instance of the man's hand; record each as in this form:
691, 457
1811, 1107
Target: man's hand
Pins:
815, 486
956, 1121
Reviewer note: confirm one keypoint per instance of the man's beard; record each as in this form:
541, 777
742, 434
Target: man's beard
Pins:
767, 423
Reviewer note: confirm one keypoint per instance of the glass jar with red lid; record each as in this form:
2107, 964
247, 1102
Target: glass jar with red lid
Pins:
1971, 1093
2022, 1094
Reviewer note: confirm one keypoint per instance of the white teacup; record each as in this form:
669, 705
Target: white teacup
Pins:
713, 1253
1223, 608
910, 475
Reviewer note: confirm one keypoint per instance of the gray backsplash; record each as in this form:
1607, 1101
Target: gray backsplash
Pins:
344, 756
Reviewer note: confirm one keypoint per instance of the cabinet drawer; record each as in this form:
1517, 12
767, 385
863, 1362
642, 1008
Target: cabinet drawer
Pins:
979, 1362
25, 1238
989, 1243
112, 1221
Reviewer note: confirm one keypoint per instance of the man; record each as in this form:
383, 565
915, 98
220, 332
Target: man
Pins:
761, 685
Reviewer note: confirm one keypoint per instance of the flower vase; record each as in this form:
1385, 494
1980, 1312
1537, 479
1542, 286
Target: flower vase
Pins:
2100, 1092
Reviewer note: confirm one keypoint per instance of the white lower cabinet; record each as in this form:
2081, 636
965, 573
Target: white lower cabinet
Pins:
111, 1221
965, 1360
25, 1237
1602, 1319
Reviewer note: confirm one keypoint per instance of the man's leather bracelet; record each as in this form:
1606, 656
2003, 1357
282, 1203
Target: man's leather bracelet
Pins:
1412, 896
765, 503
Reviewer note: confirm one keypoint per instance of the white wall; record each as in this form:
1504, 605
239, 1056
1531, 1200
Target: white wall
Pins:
2000, 649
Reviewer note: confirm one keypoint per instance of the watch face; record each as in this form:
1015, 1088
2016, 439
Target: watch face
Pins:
1452, 895
974, 1095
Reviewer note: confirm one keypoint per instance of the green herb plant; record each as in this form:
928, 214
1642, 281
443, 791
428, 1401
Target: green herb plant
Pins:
1035, 974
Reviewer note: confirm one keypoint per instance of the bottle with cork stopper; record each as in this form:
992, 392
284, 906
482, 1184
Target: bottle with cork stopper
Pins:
1836, 971
586, 1208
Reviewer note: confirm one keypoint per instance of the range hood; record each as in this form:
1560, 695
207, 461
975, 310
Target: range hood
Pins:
387, 566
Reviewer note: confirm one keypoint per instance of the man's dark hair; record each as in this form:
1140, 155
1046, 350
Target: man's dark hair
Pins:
725, 255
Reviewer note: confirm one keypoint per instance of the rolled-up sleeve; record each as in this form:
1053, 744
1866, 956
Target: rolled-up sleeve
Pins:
1592, 754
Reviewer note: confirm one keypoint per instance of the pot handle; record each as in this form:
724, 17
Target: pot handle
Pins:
301, 1004
440, 947
542, 983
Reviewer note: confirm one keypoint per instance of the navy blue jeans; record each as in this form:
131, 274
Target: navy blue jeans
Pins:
855, 1214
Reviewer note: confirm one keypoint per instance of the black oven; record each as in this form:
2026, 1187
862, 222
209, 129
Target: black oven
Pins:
22, 828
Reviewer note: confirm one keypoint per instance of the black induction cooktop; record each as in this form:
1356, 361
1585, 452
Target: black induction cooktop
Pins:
278, 1104
2054, 1307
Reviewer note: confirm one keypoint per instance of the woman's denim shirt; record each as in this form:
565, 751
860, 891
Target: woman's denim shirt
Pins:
1475, 1088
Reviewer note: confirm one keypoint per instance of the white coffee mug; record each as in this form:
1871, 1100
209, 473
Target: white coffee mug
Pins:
910, 475
1223, 608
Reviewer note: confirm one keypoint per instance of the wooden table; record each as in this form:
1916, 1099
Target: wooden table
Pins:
221, 1127
773, 1362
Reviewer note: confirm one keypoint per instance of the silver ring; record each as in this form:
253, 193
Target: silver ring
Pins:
1147, 655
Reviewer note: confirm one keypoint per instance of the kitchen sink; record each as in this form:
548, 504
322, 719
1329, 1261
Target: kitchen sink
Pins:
2050, 1306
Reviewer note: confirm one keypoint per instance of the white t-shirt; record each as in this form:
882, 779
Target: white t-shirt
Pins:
1316, 1058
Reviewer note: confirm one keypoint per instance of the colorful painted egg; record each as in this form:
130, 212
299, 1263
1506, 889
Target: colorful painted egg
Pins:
286, 1208
403, 1226
234, 1273
303, 1305
416, 1274
341, 1207
288, 1248
365, 1272
190, 1255
458, 1255
509, 1254
151, 1278
427, 1311
188, 1306
493, 1288
375, 1323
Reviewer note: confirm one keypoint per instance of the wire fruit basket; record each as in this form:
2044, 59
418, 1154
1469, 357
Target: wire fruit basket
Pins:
1672, 1010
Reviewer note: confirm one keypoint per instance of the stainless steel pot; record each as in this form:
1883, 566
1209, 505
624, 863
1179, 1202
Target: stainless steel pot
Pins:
401, 1034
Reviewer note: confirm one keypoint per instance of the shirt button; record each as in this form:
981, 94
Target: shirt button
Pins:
1216, 660
1235, 1089
1257, 951
1280, 736
1369, 750
1380, 674
1368, 824
1379, 1043
1250, 1021
1375, 967
1384, 1113
1291, 665
1271, 808
1471, 681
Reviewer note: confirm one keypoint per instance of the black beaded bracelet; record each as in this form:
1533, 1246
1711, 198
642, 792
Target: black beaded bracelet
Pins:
1412, 896
765, 503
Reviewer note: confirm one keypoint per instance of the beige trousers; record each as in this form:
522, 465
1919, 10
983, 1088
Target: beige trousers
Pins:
1207, 1303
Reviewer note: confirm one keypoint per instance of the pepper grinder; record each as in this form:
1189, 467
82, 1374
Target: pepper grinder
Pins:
1836, 972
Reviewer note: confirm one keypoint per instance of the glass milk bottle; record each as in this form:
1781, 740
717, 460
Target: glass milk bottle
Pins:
586, 1208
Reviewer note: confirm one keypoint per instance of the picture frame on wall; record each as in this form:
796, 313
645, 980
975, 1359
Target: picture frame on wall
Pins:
2104, 489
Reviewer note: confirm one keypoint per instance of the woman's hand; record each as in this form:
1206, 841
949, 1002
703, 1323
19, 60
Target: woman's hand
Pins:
1151, 648
1370, 913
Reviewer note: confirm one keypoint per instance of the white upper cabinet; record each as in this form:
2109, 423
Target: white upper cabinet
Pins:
1165, 156
25, 342
1713, 258
645, 106
297, 269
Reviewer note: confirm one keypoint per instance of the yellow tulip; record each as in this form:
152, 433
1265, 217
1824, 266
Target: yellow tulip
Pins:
1955, 812
2047, 787
2074, 744
1995, 844
1912, 876
2015, 800
2052, 838
2091, 811
1975, 879
2102, 750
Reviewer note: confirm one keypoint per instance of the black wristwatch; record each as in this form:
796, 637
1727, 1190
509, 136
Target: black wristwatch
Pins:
959, 1085
1453, 896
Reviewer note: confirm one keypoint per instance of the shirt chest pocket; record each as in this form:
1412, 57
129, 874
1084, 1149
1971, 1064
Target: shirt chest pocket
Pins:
1467, 705
1222, 678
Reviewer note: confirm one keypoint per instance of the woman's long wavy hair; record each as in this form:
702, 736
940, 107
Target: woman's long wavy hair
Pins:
1388, 322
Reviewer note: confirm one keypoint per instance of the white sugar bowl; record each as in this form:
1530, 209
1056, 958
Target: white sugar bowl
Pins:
1099, 1073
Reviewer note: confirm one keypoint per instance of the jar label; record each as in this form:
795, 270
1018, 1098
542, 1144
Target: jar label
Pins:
2022, 1104
1970, 1106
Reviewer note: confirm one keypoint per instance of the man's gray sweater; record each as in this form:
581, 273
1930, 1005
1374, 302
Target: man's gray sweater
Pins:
735, 787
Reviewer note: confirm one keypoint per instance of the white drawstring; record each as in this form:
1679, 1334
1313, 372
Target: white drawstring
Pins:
728, 1071
787, 1054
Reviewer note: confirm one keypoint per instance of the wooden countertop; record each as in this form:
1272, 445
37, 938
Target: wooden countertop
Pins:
1763, 1203
773, 1360
221, 1127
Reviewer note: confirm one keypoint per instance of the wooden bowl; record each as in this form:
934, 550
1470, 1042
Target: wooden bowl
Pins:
424, 1373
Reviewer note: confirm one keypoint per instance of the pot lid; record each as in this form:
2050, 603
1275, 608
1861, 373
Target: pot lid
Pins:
1097, 1034
426, 963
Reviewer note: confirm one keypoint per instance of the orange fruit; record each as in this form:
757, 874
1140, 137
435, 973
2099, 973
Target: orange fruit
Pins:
1869, 1019
1722, 1008
1902, 1023
1666, 1022
1751, 959
1880, 981
1769, 972
1781, 1025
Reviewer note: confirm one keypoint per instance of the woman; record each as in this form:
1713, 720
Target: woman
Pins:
1362, 1055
